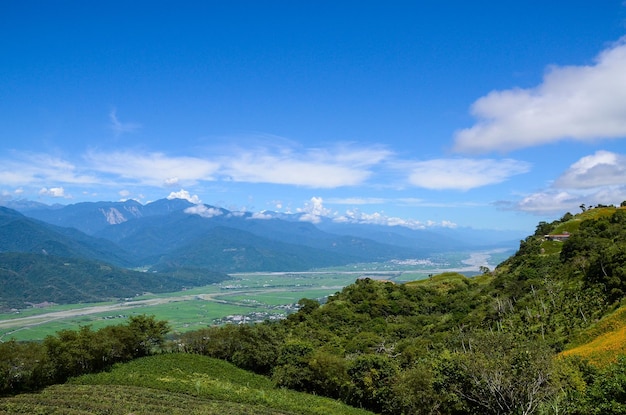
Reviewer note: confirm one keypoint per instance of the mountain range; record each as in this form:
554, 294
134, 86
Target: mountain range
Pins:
174, 238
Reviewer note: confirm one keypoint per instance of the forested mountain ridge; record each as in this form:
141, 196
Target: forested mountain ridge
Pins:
167, 225
44, 263
19, 233
28, 279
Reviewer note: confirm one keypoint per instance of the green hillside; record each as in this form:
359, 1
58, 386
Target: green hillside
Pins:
173, 384
603, 342
540, 334
27, 279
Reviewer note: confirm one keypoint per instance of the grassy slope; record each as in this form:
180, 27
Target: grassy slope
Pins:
173, 384
603, 342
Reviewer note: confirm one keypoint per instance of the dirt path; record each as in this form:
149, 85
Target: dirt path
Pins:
57, 315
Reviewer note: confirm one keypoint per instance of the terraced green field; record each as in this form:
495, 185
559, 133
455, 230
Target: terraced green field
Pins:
172, 384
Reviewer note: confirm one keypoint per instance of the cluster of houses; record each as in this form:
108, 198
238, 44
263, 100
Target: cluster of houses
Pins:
258, 316
557, 237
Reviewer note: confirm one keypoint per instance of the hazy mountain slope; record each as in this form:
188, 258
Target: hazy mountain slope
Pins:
436, 239
305, 233
21, 234
234, 250
91, 217
424, 240
150, 237
111, 220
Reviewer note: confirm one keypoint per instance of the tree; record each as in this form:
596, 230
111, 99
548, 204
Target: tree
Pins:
21, 367
373, 377
543, 228
499, 374
292, 369
606, 394
146, 333
329, 374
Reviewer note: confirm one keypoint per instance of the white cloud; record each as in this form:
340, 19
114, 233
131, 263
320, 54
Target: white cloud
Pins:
38, 169
184, 194
338, 166
172, 181
155, 169
357, 201
318, 168
577, 102
261, 216
602, 168
54, 192
378, 218
204, 211
463, 173
121, 127
599, 178
314, 210
555, 201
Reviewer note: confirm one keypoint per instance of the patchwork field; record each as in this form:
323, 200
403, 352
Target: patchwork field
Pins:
244, 298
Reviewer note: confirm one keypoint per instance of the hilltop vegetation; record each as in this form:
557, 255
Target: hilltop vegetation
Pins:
540, 334
452, 344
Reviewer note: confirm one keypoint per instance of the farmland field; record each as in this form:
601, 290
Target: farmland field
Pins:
245, 297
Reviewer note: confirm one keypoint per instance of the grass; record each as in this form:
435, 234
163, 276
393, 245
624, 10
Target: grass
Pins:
603, 342
216, 380
280, 298
551, 247
121, 400
179, 384
447, 281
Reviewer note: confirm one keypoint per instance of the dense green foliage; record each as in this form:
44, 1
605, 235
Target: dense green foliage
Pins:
30, 366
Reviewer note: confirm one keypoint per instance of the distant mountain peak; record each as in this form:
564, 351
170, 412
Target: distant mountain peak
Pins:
113, 216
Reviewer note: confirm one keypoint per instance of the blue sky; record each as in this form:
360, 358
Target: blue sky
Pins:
423, 113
